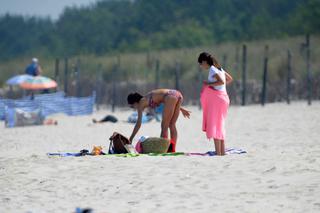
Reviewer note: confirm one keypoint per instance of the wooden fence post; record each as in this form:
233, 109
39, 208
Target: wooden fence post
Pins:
56, 71
148, 66
157, 76
309, 76
244, 74
265, 77
224, 61
237, 59
148, 60
77, 75
115, 70
10, 95
66, 76
177, 75
236, 75
98, 87
289, 77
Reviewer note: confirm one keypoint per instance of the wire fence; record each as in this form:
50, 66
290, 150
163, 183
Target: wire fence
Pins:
262, 74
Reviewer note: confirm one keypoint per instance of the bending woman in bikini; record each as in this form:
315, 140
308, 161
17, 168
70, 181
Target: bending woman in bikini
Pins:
172, 100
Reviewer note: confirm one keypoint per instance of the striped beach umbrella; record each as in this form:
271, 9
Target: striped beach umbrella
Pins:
38, 82
18, 79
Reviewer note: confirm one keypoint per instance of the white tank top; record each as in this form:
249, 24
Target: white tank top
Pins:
211, 79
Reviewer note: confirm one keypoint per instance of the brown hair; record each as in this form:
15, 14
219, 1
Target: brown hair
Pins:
204, 56
134, 98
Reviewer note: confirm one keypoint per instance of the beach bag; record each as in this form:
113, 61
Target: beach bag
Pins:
119, 144
155, 145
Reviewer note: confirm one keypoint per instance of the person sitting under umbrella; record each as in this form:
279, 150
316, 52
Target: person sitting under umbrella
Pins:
34, 68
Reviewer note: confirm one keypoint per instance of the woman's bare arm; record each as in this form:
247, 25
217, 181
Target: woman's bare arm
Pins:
229, 78
219, 81
137, 125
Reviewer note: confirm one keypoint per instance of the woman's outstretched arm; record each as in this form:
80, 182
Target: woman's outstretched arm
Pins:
137, 126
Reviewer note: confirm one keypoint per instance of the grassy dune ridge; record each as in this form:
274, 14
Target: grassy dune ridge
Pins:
139, 67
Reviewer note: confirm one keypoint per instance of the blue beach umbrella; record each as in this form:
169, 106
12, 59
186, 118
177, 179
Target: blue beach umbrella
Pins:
18, 79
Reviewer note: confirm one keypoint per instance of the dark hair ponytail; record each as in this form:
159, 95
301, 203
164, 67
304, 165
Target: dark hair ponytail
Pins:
134, 98
204, 56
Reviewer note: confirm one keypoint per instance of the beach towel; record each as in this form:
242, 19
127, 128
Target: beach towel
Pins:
213, 153
97, 150
215, 105
127, 155
70, 154
209, 154
66, 154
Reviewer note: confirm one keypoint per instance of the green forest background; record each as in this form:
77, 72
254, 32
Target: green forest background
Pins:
122, 26
136, 34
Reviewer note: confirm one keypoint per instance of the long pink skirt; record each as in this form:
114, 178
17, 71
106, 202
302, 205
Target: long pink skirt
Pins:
215, 105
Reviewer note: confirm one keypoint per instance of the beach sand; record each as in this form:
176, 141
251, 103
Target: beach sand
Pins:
280, 172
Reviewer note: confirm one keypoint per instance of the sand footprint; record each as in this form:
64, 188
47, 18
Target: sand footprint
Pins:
272, 169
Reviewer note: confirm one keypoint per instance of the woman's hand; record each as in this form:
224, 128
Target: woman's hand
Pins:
229, 78
185, 112
130, 139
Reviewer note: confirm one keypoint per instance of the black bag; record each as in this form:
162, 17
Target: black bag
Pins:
118, 144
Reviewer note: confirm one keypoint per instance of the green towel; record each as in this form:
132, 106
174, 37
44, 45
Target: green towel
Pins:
129, 155
167, 154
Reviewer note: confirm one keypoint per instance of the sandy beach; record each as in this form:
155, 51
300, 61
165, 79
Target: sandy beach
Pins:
280, 172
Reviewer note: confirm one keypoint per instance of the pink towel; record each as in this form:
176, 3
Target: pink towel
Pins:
215, 105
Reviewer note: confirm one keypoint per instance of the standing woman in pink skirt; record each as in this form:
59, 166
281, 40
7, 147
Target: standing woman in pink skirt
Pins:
214, 101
